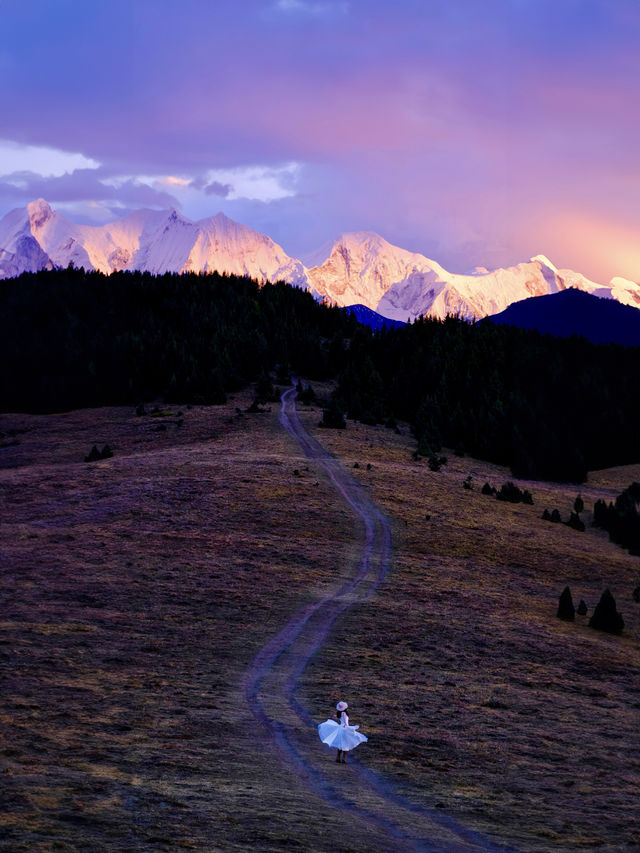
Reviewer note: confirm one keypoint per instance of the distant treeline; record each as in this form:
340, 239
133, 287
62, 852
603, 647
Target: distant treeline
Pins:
73, 339
550, 408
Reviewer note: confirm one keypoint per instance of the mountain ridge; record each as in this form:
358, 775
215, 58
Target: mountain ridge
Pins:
359, 268
574, 312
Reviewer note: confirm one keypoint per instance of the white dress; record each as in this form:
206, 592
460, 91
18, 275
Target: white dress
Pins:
340, 735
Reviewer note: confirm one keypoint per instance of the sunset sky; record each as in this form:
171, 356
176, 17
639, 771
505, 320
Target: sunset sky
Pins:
478, 132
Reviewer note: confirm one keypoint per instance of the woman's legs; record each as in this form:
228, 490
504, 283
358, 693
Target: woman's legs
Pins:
338, 755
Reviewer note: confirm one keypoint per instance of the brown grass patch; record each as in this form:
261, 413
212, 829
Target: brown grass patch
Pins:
138, 589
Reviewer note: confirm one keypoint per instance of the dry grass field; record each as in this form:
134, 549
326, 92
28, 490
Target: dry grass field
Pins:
136, 592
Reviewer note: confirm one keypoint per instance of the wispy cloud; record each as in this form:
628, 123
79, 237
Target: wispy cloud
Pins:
40, 159
216, 188
257, 183
83, 185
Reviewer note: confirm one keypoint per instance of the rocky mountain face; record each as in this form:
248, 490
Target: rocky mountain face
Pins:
359, 268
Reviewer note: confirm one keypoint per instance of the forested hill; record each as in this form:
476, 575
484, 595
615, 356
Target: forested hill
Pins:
548, 407
70, 338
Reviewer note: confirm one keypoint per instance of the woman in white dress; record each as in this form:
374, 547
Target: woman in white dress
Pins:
339, 734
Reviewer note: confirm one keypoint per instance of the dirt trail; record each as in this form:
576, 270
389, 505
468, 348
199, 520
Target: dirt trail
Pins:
270, 686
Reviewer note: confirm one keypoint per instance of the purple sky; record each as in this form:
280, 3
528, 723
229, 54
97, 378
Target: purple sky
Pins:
478, 132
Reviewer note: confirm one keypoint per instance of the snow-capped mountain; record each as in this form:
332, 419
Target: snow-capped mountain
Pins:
364, 268
358, 268
146, 240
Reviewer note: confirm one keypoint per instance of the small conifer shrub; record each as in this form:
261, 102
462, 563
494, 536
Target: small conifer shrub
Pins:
606, 616
566, 610
511, 493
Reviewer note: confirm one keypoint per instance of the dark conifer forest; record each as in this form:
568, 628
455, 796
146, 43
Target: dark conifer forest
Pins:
549, 408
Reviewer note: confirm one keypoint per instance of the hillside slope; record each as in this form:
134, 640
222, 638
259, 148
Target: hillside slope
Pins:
573, 312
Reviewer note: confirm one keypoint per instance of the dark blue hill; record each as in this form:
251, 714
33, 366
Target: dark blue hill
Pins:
574, 312
371, 318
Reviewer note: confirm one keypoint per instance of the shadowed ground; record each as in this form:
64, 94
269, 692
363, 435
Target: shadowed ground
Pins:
137, 592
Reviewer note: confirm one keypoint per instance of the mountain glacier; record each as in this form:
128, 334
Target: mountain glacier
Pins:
358, 268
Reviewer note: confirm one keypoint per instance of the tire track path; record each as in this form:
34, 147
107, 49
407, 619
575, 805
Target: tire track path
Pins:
270, 686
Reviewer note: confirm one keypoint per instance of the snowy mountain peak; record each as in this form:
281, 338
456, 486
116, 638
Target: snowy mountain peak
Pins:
176, 218
360, 238
625, 291
544, 260
223, 220
363, 267
619, 281
359, 269
39, 212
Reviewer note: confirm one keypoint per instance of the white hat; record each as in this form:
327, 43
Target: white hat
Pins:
341, 706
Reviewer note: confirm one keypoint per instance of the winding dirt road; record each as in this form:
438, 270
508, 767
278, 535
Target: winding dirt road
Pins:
270, 686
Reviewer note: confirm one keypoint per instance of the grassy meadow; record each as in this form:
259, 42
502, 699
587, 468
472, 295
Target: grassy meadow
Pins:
137, 590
